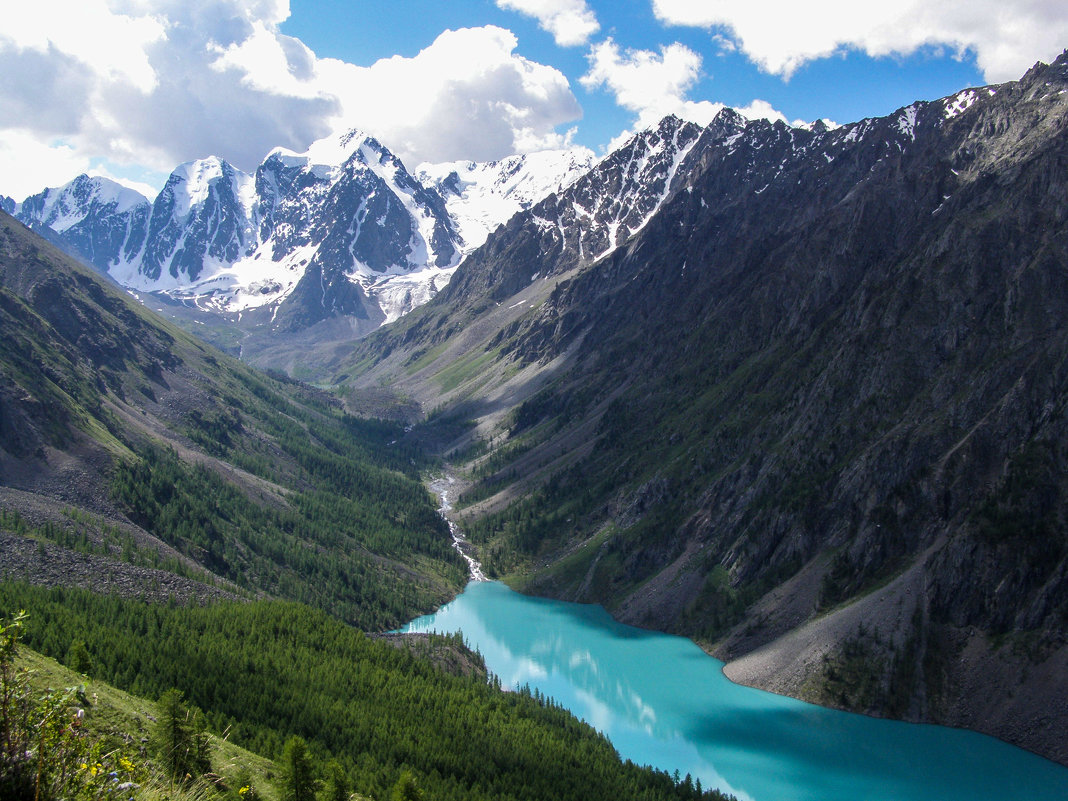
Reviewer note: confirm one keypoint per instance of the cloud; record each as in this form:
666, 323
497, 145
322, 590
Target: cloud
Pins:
158, 82
655, 84
571, 22
642, 80
112, 45
1006, 36
29, 165
468, 95
133, 82
763, 110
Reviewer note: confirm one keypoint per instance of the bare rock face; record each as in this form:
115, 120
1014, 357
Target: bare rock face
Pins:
47, 565
341, 233
839, 358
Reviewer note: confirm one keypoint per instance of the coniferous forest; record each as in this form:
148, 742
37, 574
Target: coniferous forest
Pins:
188, 529
265, 672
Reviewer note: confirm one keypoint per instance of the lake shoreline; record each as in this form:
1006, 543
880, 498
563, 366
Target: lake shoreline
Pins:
783, 665
633, 683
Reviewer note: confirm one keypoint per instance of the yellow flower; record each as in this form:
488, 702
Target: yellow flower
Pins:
244, 789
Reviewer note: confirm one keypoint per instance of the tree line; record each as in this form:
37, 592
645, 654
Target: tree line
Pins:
267, 671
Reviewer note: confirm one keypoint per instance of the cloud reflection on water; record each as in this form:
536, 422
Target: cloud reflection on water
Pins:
661, 701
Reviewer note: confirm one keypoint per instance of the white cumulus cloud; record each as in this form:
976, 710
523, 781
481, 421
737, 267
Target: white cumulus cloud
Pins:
157, 82
643, 81
111, 45
1006, 36
571, 22
468, 95
653, 85
28, 165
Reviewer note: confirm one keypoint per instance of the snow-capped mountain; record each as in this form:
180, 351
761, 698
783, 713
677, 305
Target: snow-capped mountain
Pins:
358, 220
596, 213
202, 220
481, 196
346, 212
341, 230
99, 220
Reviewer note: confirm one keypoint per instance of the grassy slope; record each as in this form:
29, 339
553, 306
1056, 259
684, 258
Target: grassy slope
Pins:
115, 714
266, 670
196, 458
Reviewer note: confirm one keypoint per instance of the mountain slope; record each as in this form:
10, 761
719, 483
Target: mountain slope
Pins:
95, 219
123, 438
810, 414
338, 239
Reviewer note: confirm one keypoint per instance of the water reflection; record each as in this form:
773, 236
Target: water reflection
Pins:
661, 701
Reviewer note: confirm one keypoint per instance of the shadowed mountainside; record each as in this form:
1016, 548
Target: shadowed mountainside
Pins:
812, 414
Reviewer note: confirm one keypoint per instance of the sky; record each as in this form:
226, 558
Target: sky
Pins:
129, 89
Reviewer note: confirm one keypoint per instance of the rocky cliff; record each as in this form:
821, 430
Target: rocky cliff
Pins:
810, 412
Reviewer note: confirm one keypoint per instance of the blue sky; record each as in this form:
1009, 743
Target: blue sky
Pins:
131, 88
845, 87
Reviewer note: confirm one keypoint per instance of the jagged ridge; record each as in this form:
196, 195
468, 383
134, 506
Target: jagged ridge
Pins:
340, 231
812, 409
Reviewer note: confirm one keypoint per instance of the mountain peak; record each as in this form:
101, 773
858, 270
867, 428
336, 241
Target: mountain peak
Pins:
482, 195
336, 149
62, 207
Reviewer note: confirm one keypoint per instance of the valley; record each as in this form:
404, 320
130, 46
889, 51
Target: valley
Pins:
795, 393
802, 416
174, 520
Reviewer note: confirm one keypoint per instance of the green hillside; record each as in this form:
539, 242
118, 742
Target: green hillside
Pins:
119, 720
265, 671
124, 437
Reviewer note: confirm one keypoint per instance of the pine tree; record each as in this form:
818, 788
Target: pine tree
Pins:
336, 786
406, 788
297, 781
78, 658
180, 739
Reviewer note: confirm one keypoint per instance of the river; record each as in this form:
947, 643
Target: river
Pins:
664, 702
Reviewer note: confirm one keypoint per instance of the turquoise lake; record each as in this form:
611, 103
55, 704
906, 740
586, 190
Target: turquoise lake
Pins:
663, 702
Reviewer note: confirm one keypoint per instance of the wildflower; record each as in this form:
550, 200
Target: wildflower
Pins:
244, 789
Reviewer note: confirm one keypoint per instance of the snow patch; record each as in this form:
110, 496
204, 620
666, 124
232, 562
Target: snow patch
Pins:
959, 103
61, 208
482, 196
906, 122
190, 183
